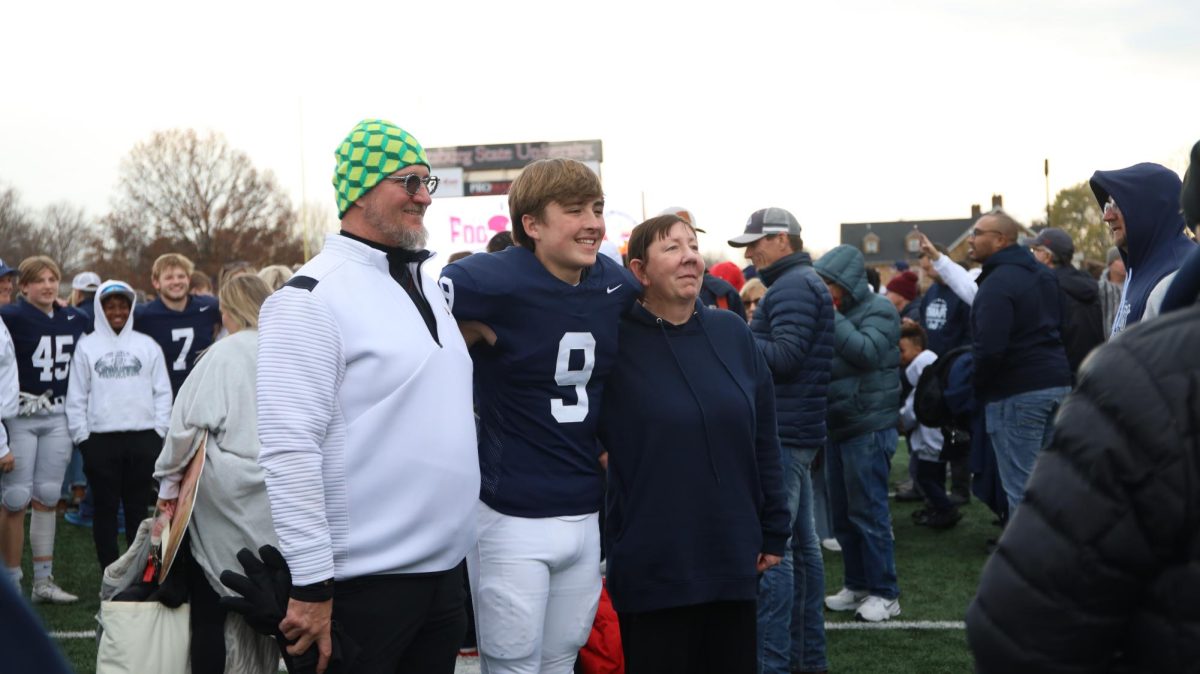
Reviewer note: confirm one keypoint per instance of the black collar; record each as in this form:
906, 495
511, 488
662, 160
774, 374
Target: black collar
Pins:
394, 254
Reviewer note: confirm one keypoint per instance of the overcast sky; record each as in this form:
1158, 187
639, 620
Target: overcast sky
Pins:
840, 112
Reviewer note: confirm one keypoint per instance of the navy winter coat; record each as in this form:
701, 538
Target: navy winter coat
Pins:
864, 393
1016, 322
793, 326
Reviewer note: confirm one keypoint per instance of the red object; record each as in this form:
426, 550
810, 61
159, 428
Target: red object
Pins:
730, 273
904, 284
602, 654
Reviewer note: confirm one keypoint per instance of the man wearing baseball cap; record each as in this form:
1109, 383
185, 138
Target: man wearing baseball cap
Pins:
83, 291
366, 423
793, 327
8, 276
1083, 322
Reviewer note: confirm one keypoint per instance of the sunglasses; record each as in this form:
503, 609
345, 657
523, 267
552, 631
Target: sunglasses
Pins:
412, 183
980, 232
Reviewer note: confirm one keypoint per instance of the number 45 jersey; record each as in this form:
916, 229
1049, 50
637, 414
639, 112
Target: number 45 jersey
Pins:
538, 390
43, 345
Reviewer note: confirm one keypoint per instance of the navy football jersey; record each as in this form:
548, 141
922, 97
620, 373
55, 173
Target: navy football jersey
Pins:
181, 334
44, 345
538, 389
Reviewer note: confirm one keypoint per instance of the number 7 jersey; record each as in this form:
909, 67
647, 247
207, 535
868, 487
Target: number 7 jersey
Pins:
181, 334
538, 390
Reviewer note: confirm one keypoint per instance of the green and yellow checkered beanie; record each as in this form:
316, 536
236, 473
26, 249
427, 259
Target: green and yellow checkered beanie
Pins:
373, 150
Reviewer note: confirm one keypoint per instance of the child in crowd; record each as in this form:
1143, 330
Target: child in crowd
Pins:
926, 442
118, 409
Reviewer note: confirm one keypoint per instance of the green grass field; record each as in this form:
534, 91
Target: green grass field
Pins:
938, 573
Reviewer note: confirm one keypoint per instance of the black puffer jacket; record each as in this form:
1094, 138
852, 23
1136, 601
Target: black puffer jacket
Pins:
1099, 570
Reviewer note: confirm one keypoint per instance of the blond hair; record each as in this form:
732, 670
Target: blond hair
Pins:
241, 298
32, 267
275, 275
168, 260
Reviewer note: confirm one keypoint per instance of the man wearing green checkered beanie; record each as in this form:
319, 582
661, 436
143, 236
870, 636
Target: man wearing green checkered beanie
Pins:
366, 424
377, 151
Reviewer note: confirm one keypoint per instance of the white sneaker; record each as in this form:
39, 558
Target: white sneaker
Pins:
831, 545
877, 609
845, 600
46, 592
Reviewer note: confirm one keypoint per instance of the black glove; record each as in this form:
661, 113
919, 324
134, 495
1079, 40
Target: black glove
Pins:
263, 603
264, 590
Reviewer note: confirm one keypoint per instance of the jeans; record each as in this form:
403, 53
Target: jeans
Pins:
821, 514
858, 481
1019, 427
791, 622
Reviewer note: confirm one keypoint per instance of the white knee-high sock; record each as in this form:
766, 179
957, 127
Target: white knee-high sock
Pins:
41, 541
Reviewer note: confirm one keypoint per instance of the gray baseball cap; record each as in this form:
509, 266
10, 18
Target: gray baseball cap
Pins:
764, 223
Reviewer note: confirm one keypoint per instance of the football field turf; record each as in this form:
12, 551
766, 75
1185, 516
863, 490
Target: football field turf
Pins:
938, 572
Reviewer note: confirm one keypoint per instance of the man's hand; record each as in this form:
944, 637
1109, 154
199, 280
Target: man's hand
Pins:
306, 623
604, 460
927, 248
766, 561
7, 463
474, 331
167, 506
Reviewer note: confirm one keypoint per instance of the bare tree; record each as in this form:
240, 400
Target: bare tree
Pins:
61, 231
206, 198
67, 235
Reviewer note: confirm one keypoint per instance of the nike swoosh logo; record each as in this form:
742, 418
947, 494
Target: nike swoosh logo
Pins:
71, 318
610, 290
204, 309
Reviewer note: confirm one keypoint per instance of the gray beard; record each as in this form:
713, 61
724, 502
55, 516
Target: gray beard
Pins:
412, 239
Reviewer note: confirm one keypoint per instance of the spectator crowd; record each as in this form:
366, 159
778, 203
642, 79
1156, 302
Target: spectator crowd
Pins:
564, 457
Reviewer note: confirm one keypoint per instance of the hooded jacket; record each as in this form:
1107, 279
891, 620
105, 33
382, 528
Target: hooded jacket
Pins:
1155, 245
1098, 569
1016, 327
864, 392
793, 328
1083, 319
695, 487
118, 381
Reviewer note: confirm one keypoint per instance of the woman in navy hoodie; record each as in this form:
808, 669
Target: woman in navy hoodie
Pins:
696, 509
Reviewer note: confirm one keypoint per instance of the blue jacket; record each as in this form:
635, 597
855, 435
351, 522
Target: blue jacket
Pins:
793, 326
946, 319
1155, 245
1016, 322
695, 487
713, 289
864, 394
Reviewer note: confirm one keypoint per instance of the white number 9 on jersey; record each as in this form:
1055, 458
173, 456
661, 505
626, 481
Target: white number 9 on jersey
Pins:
566, 413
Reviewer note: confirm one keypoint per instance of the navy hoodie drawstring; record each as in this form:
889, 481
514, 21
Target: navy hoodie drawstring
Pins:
712, 462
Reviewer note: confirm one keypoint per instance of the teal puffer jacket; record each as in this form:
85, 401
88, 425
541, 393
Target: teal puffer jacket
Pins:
864, 392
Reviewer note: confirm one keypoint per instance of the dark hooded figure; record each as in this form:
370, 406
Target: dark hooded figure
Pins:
1141, 207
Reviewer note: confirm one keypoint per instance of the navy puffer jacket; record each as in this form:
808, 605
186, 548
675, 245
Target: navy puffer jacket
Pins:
793, 326
864, 394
